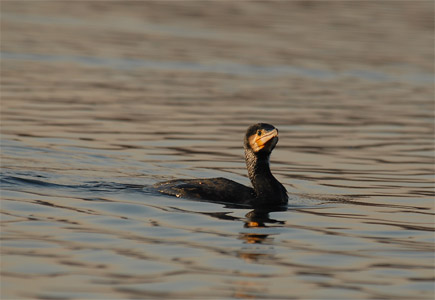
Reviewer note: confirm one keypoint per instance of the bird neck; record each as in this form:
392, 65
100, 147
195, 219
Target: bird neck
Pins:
265, 184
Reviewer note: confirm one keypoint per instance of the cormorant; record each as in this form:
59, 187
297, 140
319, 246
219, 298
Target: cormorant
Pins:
260, 140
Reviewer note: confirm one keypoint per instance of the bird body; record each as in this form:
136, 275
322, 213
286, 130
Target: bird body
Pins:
267, 191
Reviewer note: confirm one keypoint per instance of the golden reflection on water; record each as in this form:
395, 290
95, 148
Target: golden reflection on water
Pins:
93, 112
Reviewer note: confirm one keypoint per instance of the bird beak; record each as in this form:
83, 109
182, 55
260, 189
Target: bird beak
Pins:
261, 141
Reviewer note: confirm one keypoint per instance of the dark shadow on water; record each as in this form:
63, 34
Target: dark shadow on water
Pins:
260, 218
7, 181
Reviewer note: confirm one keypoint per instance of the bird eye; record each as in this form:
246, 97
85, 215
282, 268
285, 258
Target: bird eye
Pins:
259, 132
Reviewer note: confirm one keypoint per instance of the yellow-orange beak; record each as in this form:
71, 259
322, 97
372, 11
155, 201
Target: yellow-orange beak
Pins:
258, 142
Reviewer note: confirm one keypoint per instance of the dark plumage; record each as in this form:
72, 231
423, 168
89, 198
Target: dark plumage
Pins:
260, 140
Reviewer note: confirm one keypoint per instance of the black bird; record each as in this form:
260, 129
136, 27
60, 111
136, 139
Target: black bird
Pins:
260, 140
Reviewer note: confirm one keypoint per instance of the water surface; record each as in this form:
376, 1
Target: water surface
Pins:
93, 113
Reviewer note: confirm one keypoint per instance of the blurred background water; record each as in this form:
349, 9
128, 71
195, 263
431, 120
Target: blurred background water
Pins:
100, 100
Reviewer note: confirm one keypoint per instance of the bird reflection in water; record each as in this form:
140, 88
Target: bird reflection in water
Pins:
257, 219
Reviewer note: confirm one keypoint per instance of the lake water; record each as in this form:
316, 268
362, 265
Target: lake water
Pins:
100, 100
